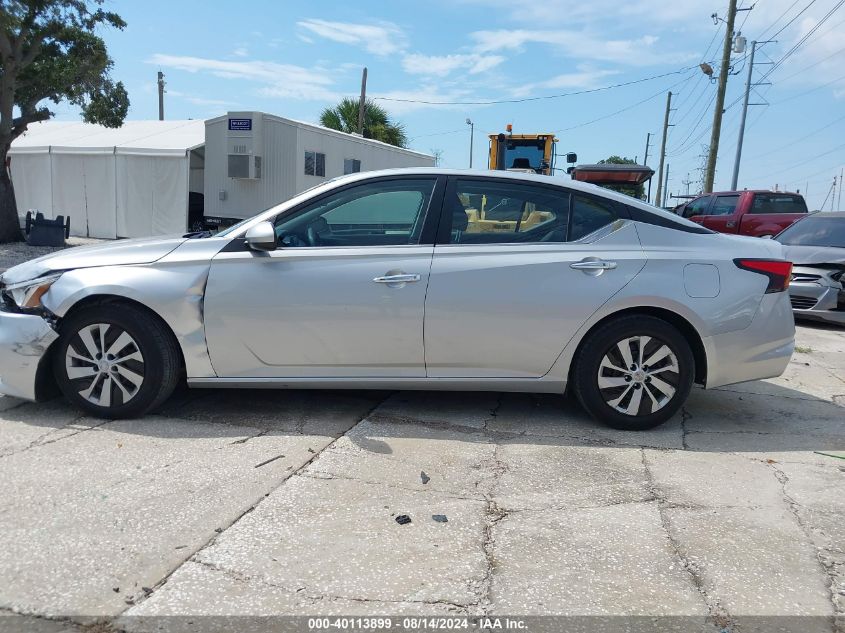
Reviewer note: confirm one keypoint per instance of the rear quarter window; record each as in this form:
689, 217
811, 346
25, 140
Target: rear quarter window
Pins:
777, 203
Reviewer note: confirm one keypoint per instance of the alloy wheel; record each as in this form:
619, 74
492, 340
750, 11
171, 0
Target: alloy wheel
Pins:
104, 364
638, 375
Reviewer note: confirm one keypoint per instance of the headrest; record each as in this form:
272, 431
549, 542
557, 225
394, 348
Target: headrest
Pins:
521, 163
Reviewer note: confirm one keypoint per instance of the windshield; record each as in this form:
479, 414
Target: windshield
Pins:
524, 156
233, 228
815, 230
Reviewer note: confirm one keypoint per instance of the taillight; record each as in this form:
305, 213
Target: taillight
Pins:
777, 270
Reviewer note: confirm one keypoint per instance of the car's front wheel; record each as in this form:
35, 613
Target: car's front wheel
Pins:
116, 360
634, 372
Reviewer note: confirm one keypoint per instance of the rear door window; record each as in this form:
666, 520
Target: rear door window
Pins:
589, 215
778, 203
494, 212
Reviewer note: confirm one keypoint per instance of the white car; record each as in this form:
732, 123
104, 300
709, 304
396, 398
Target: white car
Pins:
409, 279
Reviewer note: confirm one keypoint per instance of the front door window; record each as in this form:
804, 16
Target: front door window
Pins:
384, 213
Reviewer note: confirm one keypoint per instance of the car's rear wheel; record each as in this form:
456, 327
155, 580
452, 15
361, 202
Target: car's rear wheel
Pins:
634, 372
116, 360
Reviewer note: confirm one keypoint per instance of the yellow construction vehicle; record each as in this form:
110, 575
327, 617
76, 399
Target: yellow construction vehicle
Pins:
530, 153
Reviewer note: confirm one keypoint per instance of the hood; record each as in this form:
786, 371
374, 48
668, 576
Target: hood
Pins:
809, 255
116, 253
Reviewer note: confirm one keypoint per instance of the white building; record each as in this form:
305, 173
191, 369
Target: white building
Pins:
131, 181
141, 179
254, 160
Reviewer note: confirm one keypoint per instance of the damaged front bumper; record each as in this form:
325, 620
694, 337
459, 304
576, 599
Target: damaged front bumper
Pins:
24, 341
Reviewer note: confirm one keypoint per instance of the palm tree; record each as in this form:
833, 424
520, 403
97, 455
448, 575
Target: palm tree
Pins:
377, 123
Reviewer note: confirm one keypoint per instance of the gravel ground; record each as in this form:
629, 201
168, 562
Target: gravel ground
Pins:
19, 252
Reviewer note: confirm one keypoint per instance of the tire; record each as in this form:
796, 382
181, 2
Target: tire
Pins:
643, 398
138, 372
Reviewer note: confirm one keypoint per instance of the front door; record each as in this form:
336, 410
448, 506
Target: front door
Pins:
522, 268
722, 216
342, 296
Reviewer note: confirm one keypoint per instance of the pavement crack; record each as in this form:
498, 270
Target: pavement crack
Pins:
41, 441
494, 412
716, 612
315, 597
191, 555
244, 440
826, 564
320, 474
493, 514
685, 416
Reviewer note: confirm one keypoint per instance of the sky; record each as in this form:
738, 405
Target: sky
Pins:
294, 58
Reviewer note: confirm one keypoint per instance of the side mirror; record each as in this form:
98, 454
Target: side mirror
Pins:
572, 157
261, 237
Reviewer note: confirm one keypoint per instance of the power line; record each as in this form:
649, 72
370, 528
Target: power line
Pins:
785, 26
807, 36
809, 160
414, 138
625, 109
814, 64
810, 91
799, 140
555, 96
682, 146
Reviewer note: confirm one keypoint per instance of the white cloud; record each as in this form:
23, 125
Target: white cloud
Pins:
381, 38
280, 80
241, 51
409, 100
584, 78
442, 65
222, 103
610, 11
578, 44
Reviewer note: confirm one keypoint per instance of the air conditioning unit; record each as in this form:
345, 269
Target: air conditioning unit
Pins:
245, 145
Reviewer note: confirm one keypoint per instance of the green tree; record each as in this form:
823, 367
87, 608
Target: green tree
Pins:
50, 51
377, 123
635, 191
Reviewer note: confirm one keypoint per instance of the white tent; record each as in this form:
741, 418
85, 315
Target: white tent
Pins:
131, 181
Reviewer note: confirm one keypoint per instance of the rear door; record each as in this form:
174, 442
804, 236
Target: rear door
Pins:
508, 290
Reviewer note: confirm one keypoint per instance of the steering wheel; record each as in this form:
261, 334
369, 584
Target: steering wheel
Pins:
313, 236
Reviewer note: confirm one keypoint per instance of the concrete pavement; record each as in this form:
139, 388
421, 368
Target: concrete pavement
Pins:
267, 503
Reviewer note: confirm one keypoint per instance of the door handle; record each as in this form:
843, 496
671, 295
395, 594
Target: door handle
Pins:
593, 264
402, 278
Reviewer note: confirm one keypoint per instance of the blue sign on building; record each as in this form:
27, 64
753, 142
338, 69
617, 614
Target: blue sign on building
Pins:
241, 125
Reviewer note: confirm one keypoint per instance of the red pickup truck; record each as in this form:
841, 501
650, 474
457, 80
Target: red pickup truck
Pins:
755, 213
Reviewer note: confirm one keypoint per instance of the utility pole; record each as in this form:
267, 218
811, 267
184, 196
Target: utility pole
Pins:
160, 96
666, 188
741, 137
833, 197
361, 103
839, 203
687, 183
645, 162
663, 149
471, 137
710, 173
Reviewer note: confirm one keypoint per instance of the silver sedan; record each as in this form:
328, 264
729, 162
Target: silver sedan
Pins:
409, 279
816, 245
